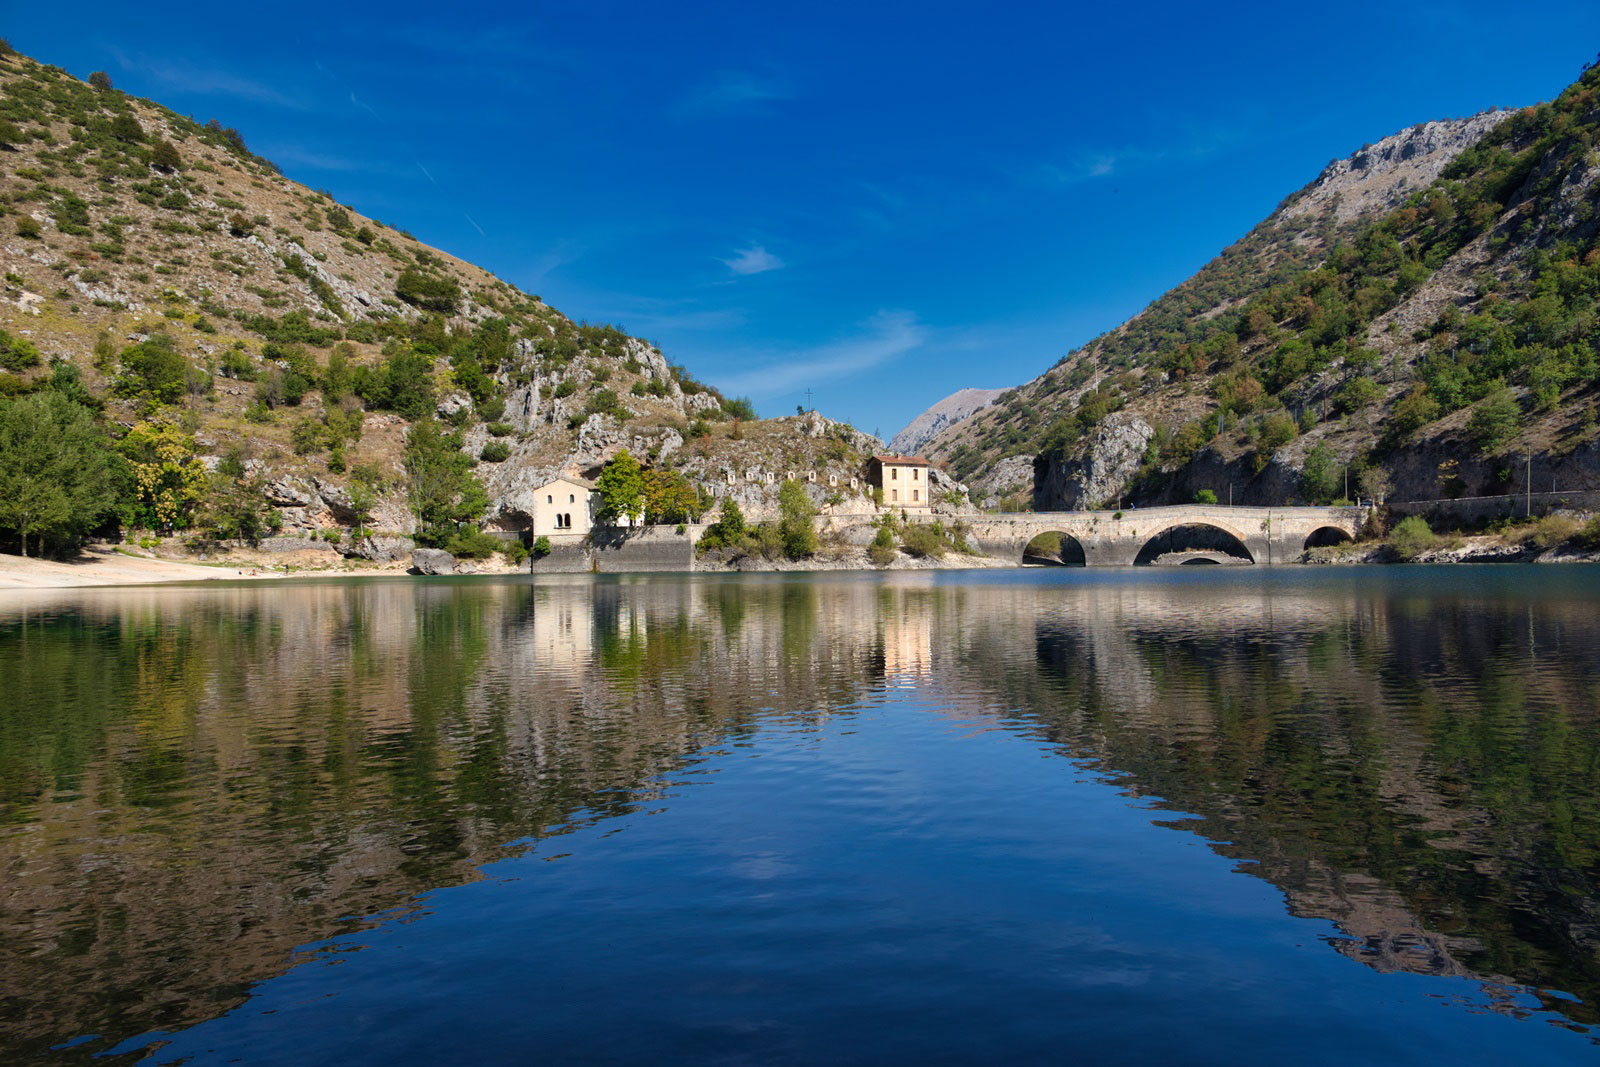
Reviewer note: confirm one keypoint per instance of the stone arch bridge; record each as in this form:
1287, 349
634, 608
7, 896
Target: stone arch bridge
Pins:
1185, 533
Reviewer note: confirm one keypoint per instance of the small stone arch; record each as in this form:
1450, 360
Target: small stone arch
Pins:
1324, 536
1209, 538
1054, 548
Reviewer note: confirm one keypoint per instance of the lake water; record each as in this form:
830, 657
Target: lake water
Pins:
1200, 816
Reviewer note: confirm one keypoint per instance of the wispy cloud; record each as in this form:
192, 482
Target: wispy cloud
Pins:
1197, 142
753, 260
200, 81
290, 155
550, 261
730, 92
886, 336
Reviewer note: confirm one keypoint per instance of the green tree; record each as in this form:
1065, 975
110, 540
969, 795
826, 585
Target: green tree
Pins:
621, 487
55, 468
1494, 420
1205, 496
669, 497
169, 479
1413, 411
439, 481
126, 128
233, 508
165, 156
796, 520
337, 380
152, 370
100, 80
739, 407
1319, 477
729, 529
403, 384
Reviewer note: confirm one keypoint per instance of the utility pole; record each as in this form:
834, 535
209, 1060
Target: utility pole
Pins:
1530, 483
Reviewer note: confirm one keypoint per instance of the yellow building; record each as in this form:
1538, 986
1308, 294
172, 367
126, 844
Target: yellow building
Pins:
564, 509
904, 481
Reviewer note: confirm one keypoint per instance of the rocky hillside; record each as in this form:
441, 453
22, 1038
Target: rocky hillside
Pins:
952, 409
1420, 318
211, 310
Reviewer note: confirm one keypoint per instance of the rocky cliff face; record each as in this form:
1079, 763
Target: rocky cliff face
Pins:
1094, 475
1380, 176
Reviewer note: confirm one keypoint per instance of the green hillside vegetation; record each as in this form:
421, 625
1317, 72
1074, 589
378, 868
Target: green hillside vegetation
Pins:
1286, 330
213, 324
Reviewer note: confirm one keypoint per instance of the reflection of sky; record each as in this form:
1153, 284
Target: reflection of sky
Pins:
894, 883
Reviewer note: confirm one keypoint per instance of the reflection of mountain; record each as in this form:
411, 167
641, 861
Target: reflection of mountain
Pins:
194, 782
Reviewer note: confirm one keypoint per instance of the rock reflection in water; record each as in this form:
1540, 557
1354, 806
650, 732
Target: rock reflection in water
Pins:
196, 782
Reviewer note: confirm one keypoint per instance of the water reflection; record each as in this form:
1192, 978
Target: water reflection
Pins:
194, 782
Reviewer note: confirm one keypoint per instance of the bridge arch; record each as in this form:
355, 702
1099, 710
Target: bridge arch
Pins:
1323, 536
1194, 535
1055, 548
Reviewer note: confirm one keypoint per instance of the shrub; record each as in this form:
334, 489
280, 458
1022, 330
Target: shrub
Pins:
100, 80
427, 292
1552, 530
16, 353
515, 552
126, 128
1205, 496
541, 546
28, 227
882, 551
501, 429
1589, 536
306, 437
473, 543
1411, 537
237, 364
495, 452
922, 541
1357, 393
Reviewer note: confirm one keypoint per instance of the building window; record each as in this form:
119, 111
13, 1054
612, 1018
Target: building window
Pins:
572, 498
894, 496
549, 498
894, 474
915, 473
913, 496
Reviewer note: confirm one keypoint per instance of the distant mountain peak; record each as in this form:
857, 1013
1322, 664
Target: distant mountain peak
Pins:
947, 412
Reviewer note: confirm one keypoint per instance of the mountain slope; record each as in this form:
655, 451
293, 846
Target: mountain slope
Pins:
190, 290
952, 409
1429, 299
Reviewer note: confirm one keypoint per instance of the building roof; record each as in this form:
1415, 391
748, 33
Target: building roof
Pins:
904, 461
570, 479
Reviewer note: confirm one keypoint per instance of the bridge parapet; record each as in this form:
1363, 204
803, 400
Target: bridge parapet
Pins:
1262, 534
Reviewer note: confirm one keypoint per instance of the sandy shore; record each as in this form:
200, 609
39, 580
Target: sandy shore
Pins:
104, 565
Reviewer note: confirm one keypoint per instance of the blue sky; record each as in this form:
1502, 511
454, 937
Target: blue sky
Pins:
881, 203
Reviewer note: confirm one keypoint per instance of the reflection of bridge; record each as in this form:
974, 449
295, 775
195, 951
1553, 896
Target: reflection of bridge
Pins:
1170, 534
